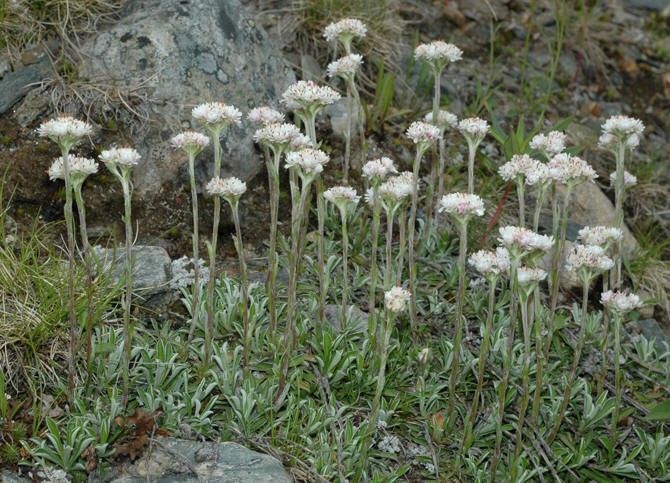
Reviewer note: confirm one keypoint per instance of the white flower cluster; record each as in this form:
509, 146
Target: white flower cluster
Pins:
570, 170
301, 141
423, 133
190, 141
341, 196
599, 235
490, 263
628, 179
122, 157
522, 239
462, 205
397, 188
226, 187
522, 167
530, 276
379, 168
265, 115
309, 161
445, 119
64, 128
78, 168
549, 144
216, 114
277, 135
396, 299
308, 95
474, 129
620, 302
345, 67
348, 28
623, 129
590, 258
438, 53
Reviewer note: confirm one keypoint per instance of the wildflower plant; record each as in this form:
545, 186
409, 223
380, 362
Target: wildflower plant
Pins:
423, 135
120, 162
474, 131
444, 120
618, 304
462, 207
66, 132
344, 198
192, 143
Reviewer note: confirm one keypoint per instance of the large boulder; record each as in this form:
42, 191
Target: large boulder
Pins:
176, 460
179, 53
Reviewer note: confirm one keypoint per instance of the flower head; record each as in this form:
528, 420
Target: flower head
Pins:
378, 169
345, 30
64, 130
341, 196
600, 235
519, 168
345, 67
395, 190
527, 276
229, 188
620, 302
265, 115
216, 115
301, 141
423, 134
445, 119
489, 263
570, 170
588, 260
520, 241
277, 136
461, 205
396, 299
120, 161
438, 54
549, 144
628, 179
622, 129
474, 129
309, 162
308, 96
78, 169
190, 142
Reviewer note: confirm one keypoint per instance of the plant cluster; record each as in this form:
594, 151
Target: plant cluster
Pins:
489, 405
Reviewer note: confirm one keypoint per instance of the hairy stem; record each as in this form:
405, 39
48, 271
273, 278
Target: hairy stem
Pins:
618, 378
411, 231
244, 281
195, 304
345, 267
127, 325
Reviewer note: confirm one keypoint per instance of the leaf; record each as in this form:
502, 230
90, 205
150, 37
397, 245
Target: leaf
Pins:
660, 412
144, 426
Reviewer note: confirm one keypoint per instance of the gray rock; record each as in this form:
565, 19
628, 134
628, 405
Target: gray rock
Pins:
9, 477
151, 267
173, 460
355, 317
179, 54
14, 85
5, 66
654, 5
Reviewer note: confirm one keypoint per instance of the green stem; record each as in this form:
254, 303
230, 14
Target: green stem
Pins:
244, 280
209, 330
460, 301
402, 243
525, 376
620, 189
345, 267
522, 202
538, 207
273, 264
347, 134
376, 214
602, 374
88, 260
321, 247
411, 231
575, 363
481, 363
72, 315
127, 326
472, 152
558, 250
195, 303
359, 122
507, 362
618, 378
